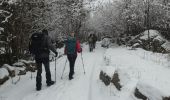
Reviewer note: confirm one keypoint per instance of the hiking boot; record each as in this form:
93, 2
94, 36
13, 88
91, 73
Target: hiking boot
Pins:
50, 83
38, 88
70, 78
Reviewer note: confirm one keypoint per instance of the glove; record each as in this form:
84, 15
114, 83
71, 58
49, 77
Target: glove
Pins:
80, 50
56, 54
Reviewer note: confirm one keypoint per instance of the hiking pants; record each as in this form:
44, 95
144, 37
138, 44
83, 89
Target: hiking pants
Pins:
39, 63
72, 59
90, 46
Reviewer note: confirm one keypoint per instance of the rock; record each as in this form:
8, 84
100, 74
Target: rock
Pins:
166, 98
3, 80
148, 92
139, 95
116, 81
105, 78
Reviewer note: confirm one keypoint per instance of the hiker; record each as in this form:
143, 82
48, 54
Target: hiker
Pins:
94, 41
40, 47
90, 41
72, 46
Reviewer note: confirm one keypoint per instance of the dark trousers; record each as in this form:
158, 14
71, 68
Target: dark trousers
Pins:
91, 46
72, 59
39, 62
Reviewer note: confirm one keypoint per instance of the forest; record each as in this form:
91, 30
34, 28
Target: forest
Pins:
119, 19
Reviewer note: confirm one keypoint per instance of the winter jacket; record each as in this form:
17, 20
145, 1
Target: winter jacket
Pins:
47, 42
72, 46
94, 38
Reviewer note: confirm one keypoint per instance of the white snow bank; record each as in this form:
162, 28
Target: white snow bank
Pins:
3, 73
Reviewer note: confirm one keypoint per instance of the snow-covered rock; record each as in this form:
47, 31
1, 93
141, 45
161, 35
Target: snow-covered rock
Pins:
10, 69
150, 92
152, 34
30, 65
3, 73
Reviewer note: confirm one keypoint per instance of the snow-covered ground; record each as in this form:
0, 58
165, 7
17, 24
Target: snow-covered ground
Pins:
145, 70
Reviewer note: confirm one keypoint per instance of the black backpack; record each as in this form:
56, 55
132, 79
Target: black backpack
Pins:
36, 45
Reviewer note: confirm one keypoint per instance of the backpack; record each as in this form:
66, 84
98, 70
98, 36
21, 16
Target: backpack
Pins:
36, 46
90, 39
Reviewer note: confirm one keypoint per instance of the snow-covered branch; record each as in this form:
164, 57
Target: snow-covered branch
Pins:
6, 19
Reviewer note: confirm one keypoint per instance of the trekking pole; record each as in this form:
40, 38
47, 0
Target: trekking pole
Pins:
82, 62
64, 69
55, 68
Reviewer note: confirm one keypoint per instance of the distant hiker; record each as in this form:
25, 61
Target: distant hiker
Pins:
94, 41
72, 46
90, 41
40, 46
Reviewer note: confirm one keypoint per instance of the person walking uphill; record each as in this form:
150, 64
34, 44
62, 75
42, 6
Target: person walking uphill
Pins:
40, 47
72, 46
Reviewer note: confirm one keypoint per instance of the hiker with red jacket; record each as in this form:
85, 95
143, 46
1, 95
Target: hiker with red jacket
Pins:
72, 46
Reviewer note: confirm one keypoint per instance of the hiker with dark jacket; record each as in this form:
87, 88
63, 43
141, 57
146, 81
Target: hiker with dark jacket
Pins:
72, 46
42, 57
94, 41
90, 41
